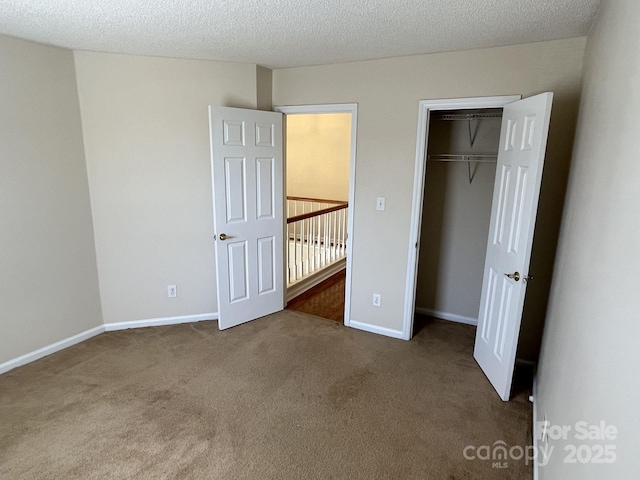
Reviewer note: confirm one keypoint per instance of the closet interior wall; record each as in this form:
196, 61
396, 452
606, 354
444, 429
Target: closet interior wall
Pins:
455, 215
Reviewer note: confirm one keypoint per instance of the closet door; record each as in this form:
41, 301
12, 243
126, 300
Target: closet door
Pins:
523, 140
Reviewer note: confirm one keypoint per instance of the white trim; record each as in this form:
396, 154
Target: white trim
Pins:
534, 433
424, 109
107, 327
367, 327
451, 317
351, 108
305, 284
157, 322
49, 349
525, 363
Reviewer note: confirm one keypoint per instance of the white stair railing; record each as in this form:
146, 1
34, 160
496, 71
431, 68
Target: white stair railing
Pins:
317, 233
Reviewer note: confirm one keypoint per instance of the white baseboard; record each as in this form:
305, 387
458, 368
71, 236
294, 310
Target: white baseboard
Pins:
521, 362
158, 322
317, 278
367, 327
107, 327
452, 317
49, 349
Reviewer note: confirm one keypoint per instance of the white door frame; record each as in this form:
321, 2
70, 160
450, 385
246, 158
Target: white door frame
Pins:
351, 108
424, 110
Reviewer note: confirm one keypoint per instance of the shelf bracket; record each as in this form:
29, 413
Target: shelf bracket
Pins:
472, 173
471, 138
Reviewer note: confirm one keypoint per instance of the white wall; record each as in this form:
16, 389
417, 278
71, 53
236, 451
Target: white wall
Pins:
48, 280
387, 92
318, 155
146, 135
590, 355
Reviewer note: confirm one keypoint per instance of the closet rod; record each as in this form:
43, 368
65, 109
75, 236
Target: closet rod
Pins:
477, 158
465, 116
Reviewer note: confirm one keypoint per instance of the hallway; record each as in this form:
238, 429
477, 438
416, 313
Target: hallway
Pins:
325, 300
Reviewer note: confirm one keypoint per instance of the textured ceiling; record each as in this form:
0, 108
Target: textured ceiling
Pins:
286, 33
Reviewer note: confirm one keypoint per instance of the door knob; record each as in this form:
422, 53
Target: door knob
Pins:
223, 236
515, 276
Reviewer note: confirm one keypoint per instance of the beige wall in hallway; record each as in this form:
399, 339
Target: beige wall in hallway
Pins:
590, 355
387, 92
318, 155
146, 134
48, 280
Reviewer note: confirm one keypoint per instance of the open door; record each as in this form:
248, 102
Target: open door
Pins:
247, 173
523, 140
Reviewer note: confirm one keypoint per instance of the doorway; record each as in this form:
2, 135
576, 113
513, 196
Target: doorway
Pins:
320, 176
519, 156
462, 149
422, 147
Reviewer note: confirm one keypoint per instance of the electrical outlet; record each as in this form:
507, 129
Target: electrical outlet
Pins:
376, 299
381, 203
172, 291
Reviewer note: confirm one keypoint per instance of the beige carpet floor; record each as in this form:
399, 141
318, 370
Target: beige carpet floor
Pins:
289, 396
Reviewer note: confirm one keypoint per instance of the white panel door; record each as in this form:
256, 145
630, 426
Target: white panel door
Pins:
523, 141
247, 169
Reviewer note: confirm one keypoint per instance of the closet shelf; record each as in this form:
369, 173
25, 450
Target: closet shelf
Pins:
466, 116
472, 157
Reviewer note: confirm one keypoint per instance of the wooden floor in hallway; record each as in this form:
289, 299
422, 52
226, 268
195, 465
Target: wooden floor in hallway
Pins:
325, 300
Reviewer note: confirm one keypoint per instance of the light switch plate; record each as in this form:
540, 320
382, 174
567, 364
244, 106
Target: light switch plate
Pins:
380, 203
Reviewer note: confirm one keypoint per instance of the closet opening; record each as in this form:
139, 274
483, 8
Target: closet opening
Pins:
478, 169
462, 148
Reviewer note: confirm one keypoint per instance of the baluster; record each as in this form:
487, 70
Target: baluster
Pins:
341, 247
319, 240
310, 259
312, 247
296, 253
303, 234
288, 253
346, 218
316, 233
295, 250
337, 246
337, 227
329, 234
300, 266
300, 245
333, 238
321, 220
325, 251
340, 233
